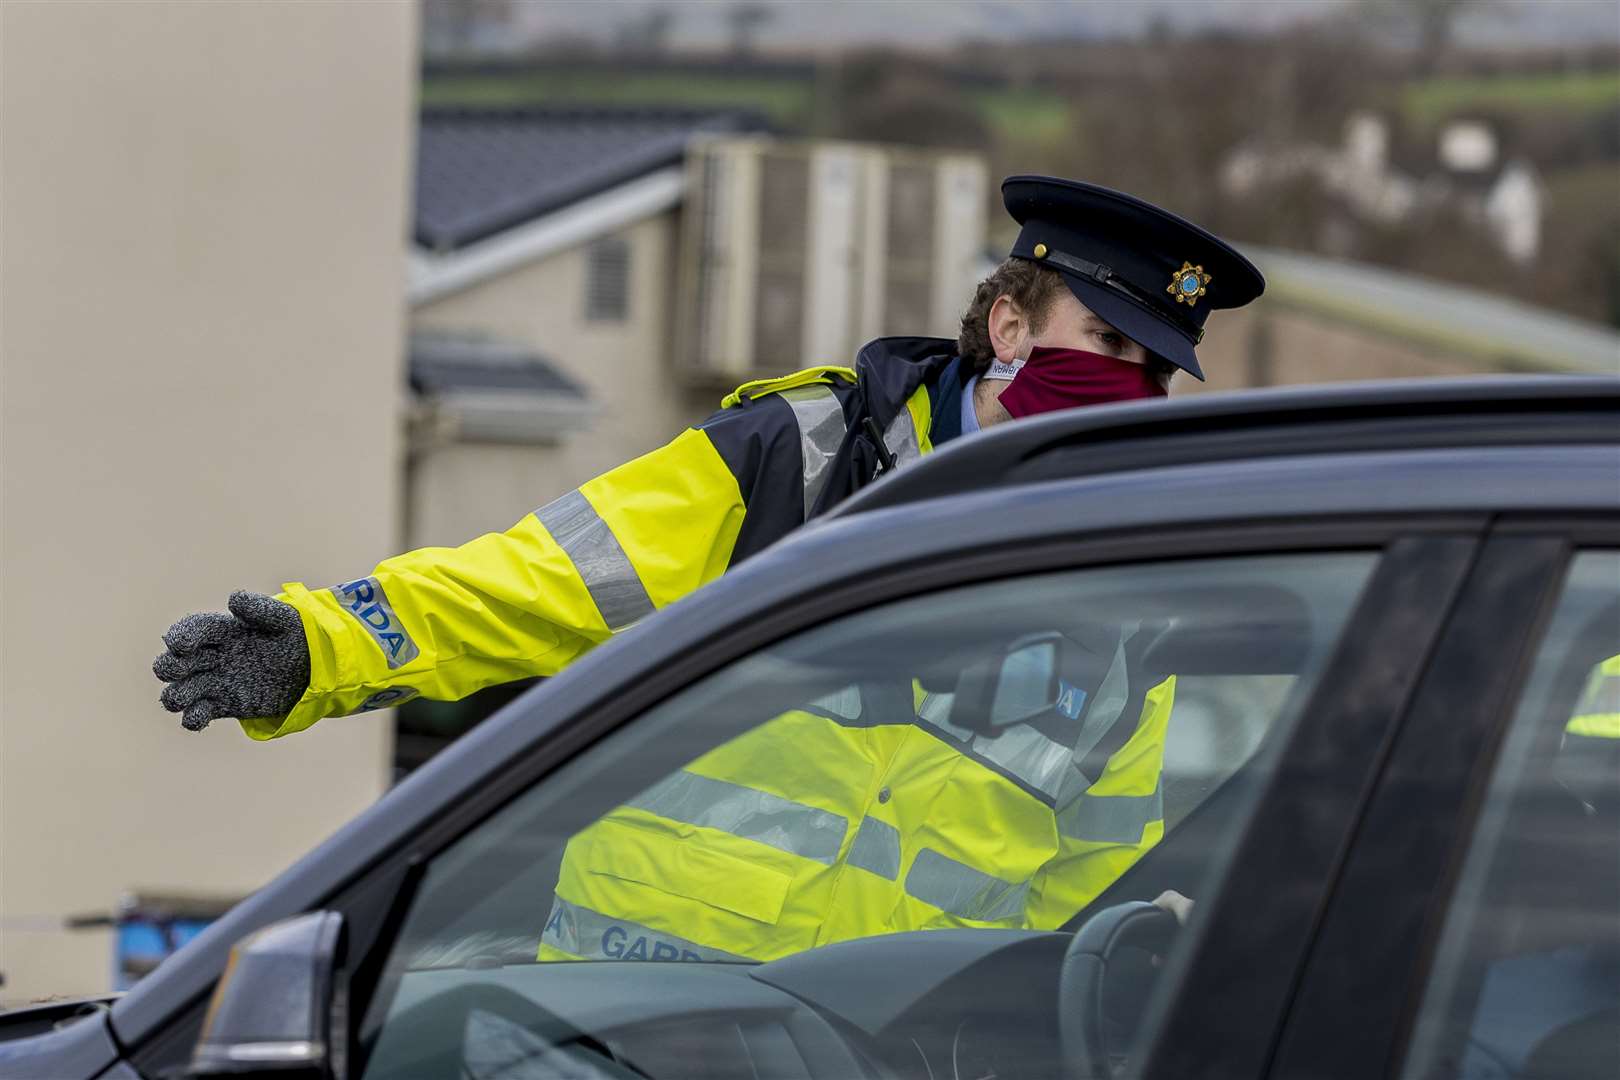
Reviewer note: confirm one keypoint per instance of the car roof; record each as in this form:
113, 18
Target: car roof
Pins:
913, 527
1202, 428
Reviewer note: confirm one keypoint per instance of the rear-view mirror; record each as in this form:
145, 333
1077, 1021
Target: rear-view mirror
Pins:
1017, 684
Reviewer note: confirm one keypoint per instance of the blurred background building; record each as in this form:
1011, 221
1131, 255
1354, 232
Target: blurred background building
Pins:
201, 371
287, 288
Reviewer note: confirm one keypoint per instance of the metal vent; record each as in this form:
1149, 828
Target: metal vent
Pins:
784, 199
909, 277
607, 280
795, 253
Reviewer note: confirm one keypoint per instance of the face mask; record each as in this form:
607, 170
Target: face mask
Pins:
1065, 378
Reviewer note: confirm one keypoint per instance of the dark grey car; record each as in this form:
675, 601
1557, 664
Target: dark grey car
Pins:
1388, 787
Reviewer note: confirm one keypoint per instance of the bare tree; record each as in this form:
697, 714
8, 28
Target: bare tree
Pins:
1431, 23
646, 33
746, 19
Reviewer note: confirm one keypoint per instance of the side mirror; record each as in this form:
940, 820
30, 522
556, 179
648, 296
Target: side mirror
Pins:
281, 1007
1018, 684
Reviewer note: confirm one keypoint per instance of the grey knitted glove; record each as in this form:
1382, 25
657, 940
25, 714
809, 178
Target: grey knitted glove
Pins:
253, 662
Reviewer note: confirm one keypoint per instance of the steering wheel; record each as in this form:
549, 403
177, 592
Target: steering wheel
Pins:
1134, 925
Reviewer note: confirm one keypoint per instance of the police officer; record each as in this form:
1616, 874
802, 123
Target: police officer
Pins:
1102, 299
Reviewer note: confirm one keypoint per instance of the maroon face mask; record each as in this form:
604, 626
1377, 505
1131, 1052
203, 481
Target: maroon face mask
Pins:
1065, 378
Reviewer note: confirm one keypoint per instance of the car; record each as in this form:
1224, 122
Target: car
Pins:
1387, 609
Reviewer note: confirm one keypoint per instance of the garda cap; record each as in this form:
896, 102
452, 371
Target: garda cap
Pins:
1153, 276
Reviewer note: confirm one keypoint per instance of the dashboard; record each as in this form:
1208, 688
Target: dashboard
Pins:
929, 1005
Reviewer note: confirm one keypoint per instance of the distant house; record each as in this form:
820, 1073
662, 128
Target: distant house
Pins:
544, 248
1465, 169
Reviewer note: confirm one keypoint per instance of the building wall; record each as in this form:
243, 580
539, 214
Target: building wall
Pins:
463, 489
1270, 344
200, 365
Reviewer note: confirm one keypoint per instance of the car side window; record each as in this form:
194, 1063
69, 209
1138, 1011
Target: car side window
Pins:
1009, 755
1526, 978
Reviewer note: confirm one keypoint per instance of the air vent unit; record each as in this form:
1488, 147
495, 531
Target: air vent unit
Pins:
794, 254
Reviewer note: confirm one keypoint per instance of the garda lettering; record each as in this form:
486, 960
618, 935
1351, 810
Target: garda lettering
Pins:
382, 699
620, 944
366, 601
1071, 700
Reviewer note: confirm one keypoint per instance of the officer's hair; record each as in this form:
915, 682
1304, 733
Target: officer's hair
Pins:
1031, 286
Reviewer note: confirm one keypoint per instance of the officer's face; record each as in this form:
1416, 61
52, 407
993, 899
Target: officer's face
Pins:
1069, 325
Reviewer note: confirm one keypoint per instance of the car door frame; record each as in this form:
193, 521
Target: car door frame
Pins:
1363, 984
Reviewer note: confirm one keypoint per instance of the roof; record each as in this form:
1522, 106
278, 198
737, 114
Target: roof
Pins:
481, 170
1406, 414
1494, 329
447, 363
494, 390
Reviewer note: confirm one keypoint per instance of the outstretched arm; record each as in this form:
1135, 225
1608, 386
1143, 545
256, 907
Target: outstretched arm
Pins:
444, 622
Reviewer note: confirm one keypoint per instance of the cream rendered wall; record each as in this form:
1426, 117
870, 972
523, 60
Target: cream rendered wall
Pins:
201, 313
1311, 348
465, 489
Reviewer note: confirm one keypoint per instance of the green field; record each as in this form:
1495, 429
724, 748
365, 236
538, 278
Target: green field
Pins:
1020, 115
785, 101
1433, 100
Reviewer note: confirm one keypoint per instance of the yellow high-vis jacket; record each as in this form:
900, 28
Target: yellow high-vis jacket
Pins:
445, 622
817, 826
883, 821
1597, 716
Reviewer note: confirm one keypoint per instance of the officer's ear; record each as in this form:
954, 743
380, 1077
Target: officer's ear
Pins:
1008, 327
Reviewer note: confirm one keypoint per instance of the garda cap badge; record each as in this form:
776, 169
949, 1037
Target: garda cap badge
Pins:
1188, 284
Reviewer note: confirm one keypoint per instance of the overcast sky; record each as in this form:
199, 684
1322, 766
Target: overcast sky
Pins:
799, 24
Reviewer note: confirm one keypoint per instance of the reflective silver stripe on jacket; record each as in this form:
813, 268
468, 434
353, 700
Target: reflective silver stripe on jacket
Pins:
1027, 754
1602, 698
590, 934
795, 828
936, 710
1112, 695
876, 848
1111, 819
845, 703
821, 433
596, 553
366, 601
901, 437
1020, 750
961, 890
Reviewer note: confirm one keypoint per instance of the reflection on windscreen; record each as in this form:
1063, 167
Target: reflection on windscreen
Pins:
916, 766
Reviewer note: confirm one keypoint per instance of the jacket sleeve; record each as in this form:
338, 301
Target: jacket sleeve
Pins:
444, 622
1118, 819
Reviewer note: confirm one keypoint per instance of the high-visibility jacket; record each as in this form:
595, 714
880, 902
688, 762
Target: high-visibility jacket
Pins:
823, 824
1598, 713
445, 622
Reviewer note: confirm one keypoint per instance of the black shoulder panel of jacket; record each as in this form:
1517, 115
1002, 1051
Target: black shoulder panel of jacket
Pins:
759, 441
891, 369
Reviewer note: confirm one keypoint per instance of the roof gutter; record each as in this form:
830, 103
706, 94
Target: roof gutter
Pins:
434, 276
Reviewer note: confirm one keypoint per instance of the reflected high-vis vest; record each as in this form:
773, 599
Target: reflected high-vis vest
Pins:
1598, 713
861, 817
825, 825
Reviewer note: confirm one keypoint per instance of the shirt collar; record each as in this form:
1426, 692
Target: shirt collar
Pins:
970, 419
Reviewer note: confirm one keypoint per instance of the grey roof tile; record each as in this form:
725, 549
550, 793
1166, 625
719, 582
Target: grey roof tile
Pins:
443, 364
482, 170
